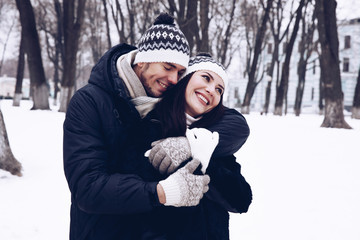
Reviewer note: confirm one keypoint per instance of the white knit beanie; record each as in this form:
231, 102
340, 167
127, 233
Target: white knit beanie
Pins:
163, 42
204, 61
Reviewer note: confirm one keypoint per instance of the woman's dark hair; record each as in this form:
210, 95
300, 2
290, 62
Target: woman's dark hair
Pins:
171, 111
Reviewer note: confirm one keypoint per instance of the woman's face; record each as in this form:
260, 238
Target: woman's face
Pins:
203, 92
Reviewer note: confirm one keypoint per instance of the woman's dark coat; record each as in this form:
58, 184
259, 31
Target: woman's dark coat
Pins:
104, 162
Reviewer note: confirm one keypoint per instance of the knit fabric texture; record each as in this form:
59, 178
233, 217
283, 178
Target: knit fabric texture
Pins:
167, 155
206, 62
163, 42
177, 148
183, 188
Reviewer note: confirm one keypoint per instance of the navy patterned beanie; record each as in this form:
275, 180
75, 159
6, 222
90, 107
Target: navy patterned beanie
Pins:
163, 42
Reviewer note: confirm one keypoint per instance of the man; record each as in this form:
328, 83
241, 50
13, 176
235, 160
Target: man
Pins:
101, 135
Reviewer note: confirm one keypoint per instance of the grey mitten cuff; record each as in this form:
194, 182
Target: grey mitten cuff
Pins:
167, 155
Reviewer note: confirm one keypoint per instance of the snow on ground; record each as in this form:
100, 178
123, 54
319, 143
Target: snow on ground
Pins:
305, 179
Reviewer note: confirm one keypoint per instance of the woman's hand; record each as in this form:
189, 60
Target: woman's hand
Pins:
166, 155
202, 143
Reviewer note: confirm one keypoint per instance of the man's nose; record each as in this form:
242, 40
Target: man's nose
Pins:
173, 77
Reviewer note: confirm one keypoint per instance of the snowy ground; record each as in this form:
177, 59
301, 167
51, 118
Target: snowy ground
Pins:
305, 179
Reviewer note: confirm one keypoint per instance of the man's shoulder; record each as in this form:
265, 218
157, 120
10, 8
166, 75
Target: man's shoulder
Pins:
90, 93
120, 49
231, 112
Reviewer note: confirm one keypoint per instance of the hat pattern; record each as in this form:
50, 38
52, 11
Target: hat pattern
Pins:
163, 42
164, 37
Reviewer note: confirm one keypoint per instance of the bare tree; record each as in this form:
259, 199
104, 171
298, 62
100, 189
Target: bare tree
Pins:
73, 12
321, 81
19, 73
7, 30
94, 29
5, 44
306, 46
202, 43
281, 89
330, 69
186, 14
208, 25
276, 24
130, 23
356, 102
49, 18
33, 51
106, 18
7, 159
250, 89
224, 30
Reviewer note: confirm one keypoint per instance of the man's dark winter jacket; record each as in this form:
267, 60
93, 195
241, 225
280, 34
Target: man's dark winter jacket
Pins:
103, 153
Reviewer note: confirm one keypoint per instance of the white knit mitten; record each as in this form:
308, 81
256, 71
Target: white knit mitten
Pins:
202, 143
183, 188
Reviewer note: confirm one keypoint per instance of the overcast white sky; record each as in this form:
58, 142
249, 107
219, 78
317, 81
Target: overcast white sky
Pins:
348, 9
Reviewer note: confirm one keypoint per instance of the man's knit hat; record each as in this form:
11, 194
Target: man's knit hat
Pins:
163, 42
204, 61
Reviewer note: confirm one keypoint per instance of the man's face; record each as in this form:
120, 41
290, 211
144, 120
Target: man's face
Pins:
158, 77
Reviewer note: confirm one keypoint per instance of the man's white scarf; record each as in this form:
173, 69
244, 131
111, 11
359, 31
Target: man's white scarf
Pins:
143, 103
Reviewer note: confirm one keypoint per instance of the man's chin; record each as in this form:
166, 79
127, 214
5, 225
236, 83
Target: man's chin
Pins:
156, 94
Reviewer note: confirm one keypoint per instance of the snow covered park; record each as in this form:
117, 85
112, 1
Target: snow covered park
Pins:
305, 179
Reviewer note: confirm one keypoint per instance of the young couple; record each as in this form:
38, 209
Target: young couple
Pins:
117, 192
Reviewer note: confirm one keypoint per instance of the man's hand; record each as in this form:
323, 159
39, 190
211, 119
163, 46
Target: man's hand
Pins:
183, 188
166, 155
202, 143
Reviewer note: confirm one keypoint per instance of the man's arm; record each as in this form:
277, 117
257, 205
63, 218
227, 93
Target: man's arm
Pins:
94, 189
233, 131
228, 187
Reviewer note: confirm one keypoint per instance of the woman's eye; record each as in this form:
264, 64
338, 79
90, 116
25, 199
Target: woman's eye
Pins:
206, 77
219, 90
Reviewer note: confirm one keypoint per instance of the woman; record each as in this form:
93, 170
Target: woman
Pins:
196, 102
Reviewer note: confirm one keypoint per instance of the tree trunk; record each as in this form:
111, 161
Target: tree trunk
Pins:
19, 73
306, 49
5, 44
330, 69
73, 21
203, 44
356, 102
59, 49
281, 90
107, 24
33, 51
188, 22
226, 41
301, 71
7, 159
321, 88
270, 73
250, 88
300, 88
